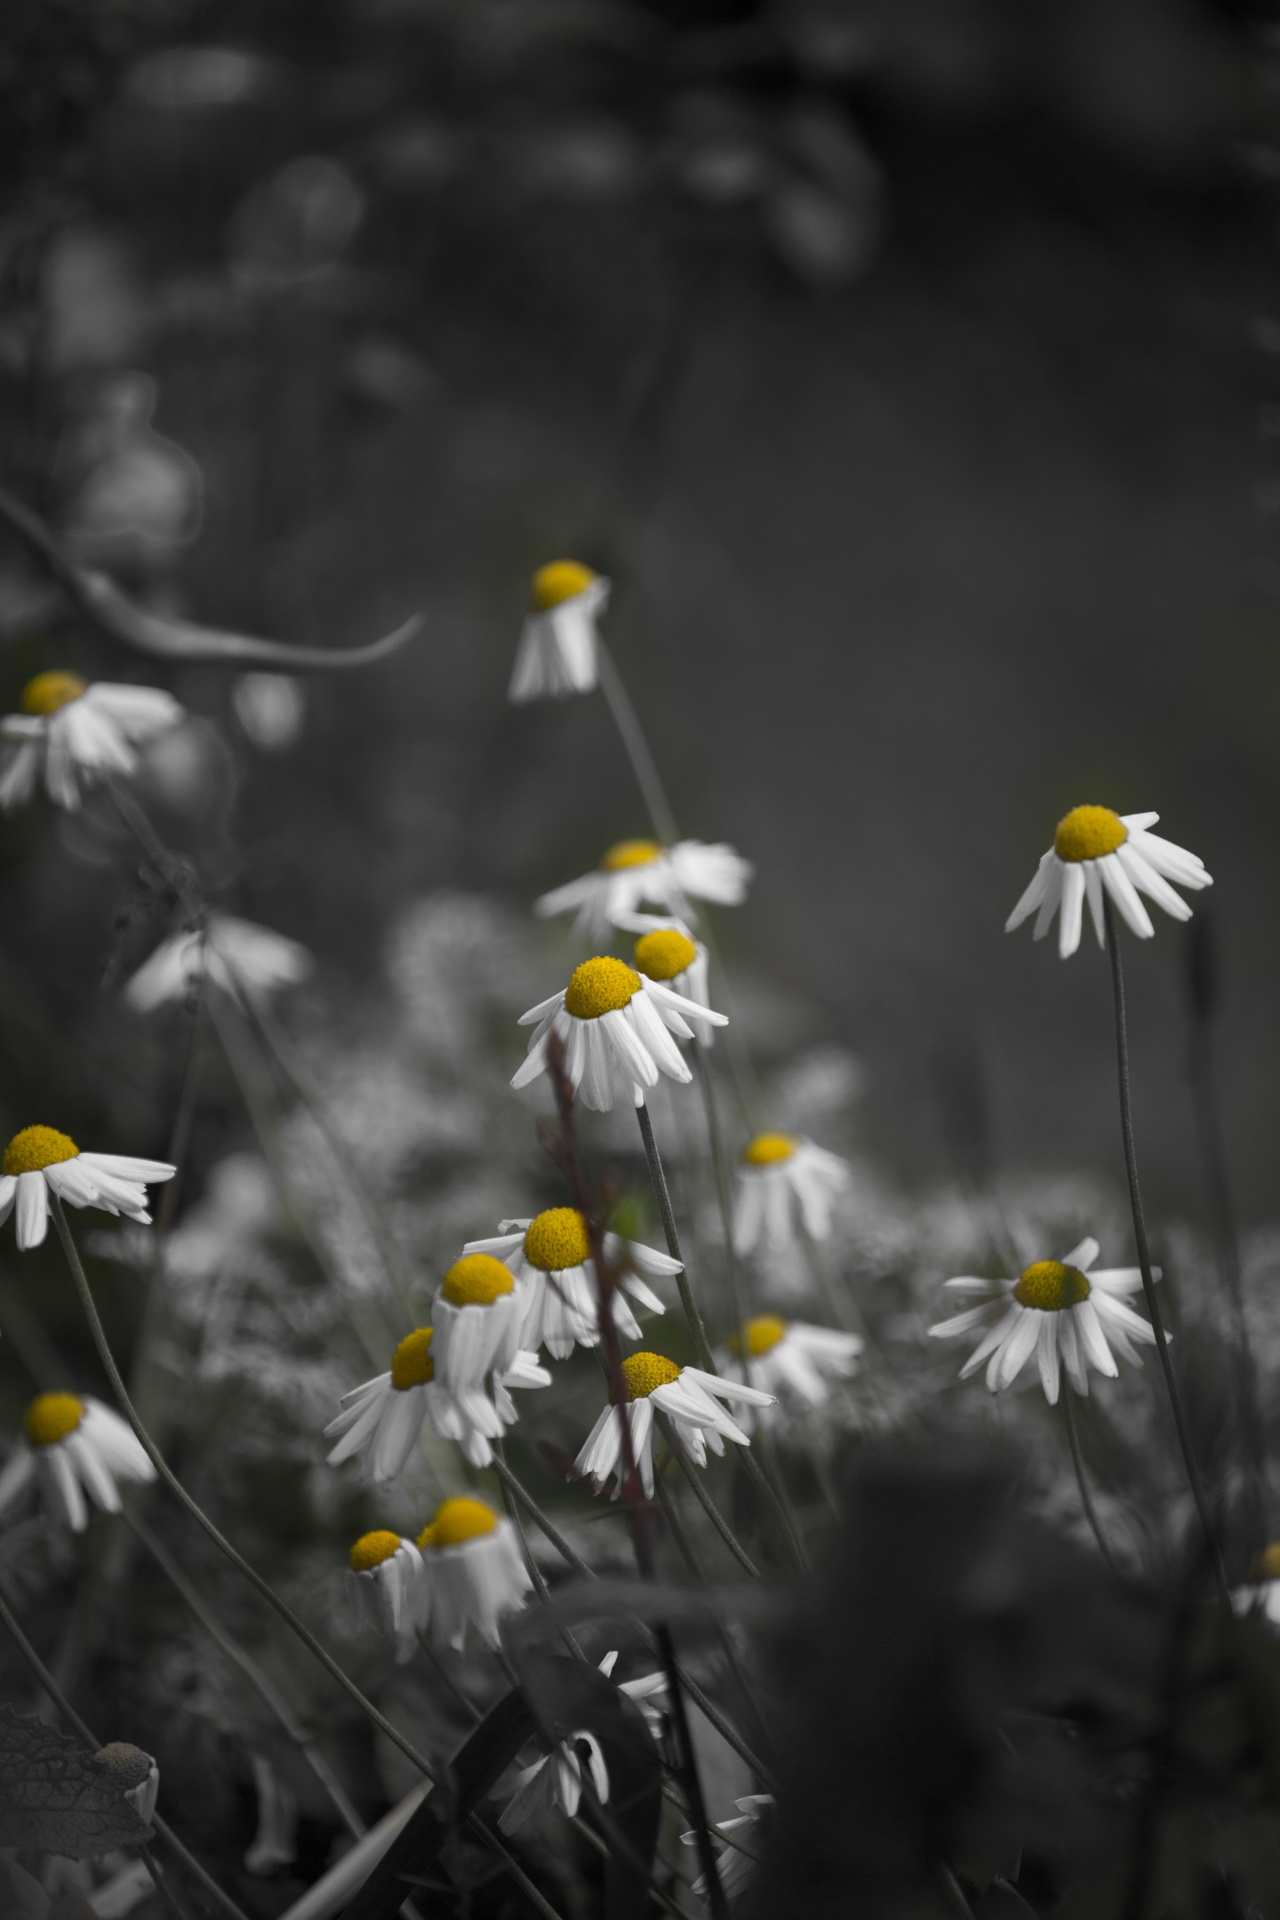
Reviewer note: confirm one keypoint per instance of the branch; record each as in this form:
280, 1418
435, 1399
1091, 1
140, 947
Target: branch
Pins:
114, 614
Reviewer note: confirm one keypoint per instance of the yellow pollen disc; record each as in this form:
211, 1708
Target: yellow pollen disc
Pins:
763, 1334
36, 1148
766, 1148
52, 1417
477, 1280
458, 1520
645, 1371
1051, 1288
602, 985
371, 1549
1267, 1565
664, 954
558, 581
49, 691
557, 1239
411, 1363
630, 853
1086, 833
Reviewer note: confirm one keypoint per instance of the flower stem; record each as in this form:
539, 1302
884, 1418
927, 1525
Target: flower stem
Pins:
724, 1194
1144, 1257
260, 1681
197, 1513
94, 1745
750, 1465
707, 1504
636, 747
1077, 1461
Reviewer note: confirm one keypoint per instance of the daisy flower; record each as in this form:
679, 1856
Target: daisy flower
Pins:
634, 872
74, 733
550, 1254
667, 951
557, 651
616, 1027
40, 1159
382, 1418
555, 1780
732, 1865
792, 1360
234, 954
70, 1447
1264, 1597
1060, 1311
473, 1573
783, 1182
384, 1579
688, 1397
1094, 848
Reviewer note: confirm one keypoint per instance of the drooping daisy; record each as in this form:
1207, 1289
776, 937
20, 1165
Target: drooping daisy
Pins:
616, 1027
1059, 1310
555, 1780
69, 1447
1263, 1596
687, 1395
791, 1360
384, 1579
667, 951
1094, 848
75, 733
550, 1253
233, 954
783, 1182
635, 872
734, 1867
382, 1418
40, 1159
557, 651
473, 1573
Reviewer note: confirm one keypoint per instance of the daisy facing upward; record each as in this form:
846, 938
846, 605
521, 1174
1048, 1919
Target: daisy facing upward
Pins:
40, 1160
1059, 1310
551, 1254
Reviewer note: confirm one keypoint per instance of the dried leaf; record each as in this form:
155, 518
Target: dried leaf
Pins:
57, 1797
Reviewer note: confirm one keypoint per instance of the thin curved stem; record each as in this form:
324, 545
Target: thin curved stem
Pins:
94, 1745
1144, 1256
707, 1504
724, 1196
179, 1492
636, 747
260, 1681
1077, 1461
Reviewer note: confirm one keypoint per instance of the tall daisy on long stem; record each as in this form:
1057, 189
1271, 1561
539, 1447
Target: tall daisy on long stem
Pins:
1109, 859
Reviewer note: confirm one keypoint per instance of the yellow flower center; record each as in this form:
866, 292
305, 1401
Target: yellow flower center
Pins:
36, 1148
558, 581
557, 1239
458, 1520
630, 853
51, 1417
664, 954
1267, 1564
1050, 1287
1086, 833
371, 1549
49, 691
411, 1363
763, 1334
766, 1148
602, 985
645, 1371
477, 1280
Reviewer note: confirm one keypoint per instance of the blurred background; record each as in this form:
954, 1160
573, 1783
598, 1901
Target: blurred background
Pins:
912, 368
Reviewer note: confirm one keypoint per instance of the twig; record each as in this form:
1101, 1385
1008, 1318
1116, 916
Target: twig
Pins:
101, 601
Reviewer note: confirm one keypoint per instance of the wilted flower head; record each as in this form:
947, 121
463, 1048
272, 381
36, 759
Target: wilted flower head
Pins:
557, 651
784, 1183
233, 954
473, 1573
688, 1396
69, 1447
635, 872
790, 1359
616, 1028
552, 1255
384, 1578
